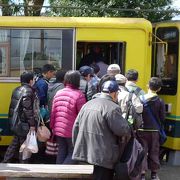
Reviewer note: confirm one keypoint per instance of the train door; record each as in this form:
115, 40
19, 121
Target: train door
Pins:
166, 66
93, 52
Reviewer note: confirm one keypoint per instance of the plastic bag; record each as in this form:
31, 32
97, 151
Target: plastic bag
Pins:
26, 154
44, 113
29, 146
32, 145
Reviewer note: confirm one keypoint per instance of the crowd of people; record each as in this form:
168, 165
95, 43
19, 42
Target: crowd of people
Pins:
87, 115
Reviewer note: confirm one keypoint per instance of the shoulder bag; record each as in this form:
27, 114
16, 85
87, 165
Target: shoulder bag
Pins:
43, 133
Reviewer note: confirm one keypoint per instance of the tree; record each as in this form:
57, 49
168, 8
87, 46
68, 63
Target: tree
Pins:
6, 10
27, 8
33, 7
152, 10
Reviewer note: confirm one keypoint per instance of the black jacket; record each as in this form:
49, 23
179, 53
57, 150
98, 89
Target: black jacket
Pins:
155, 106
26, 105
87, 88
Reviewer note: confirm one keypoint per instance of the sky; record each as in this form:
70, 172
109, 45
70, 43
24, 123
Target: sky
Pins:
176, 5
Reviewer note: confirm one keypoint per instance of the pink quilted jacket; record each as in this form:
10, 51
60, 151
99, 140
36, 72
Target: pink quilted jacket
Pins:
66, 106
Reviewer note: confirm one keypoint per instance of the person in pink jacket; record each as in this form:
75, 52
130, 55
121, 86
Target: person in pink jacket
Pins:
65, 107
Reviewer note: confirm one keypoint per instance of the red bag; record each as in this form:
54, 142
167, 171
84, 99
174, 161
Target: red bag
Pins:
51, 147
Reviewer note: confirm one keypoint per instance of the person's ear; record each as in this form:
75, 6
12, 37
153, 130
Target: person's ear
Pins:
31, 82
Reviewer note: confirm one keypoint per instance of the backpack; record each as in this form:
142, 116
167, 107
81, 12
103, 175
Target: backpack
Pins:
130, 164
53, 88
134, 119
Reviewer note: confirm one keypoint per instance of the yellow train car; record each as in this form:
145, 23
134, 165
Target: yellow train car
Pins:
27, 43
166, 63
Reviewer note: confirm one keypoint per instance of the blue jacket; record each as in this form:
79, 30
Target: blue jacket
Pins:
42, 88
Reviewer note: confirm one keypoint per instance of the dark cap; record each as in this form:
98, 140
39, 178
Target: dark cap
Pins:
85, 70
110, 86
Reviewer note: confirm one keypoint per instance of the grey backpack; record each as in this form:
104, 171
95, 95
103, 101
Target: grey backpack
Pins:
130, 164
134, 119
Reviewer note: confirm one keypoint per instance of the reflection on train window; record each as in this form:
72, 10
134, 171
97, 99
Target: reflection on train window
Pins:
4, 53
29, 49
166, 65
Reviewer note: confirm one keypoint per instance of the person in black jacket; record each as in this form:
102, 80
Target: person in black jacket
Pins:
26, 97
148, 135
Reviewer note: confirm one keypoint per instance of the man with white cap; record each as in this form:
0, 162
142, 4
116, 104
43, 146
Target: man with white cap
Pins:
124, 97
113, 69
96, 129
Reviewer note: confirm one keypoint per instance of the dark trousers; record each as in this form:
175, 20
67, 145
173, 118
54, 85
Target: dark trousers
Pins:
65, 150
150, 143
101, 173
13, 150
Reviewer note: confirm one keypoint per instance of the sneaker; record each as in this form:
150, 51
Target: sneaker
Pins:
154, 177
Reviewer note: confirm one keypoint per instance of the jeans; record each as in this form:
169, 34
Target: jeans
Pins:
65, 150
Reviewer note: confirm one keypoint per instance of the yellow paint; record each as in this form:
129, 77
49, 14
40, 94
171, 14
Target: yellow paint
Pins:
5, 96
172, 143
97, 22
5, 140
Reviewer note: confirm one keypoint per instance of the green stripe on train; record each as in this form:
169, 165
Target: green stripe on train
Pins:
173, 117
3, 115
172, 125
4, 125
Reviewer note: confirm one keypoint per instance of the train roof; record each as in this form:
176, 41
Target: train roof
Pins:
73, 22
167, 23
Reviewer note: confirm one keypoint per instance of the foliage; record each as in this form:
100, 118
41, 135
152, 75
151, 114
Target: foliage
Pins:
33, 7
8, 8
152, 10
28, 8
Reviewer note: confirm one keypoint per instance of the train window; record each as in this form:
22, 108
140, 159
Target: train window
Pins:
166, 66
4, 55
30, 49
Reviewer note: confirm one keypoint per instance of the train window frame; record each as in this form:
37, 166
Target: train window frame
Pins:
168, 73
67, 44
